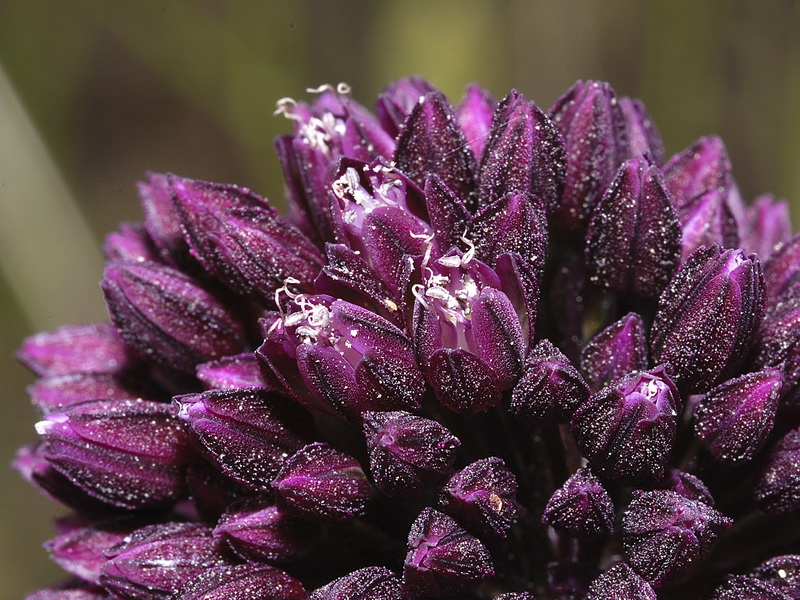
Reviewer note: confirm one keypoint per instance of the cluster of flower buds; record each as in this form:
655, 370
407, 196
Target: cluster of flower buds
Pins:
492, 352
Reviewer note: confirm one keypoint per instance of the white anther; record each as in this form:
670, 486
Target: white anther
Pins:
452, 261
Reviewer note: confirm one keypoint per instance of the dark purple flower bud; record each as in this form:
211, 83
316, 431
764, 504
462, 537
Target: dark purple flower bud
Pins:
664, 534
707, 316
707, 219
782, 272
241, 240
398, 100
449, 215
626, 429
76, 349
246, 432
633, 244
734, 419
157, 560
767, 224
776, 344
701, 167
482, 496
407, 454
596, 143
777, 487
550, 386
643, 136
231, 372
475, 117
782, 572
364, 138
340, 358
79, 551
56, 393
524, 155
242, 582
127, 453
321, 483
257, 530
743, 587
369, 583
162, 221
581, 507
619, 349
130, 243
687, 485
431, 141
443, 558
620, 582
167, 318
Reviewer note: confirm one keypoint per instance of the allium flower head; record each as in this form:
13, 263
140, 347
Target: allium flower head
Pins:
492, 352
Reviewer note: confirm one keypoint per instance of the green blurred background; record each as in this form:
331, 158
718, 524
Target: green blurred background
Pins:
97, 92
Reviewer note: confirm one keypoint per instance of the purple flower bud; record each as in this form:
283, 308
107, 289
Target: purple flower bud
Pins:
398, 100
708, 219
130, 243
56, 393
687, 485
550, 386
701, 167
524, 154
162, 221
734, 419
431, 141
167, 318
642, 133
231, 372
443, 558
246, 432
626, 429
448, 214
782, 272
369, 583
776, 344
664, 534
475, 117
157, 560
596, 143
707, 316
633, 244
482, 496
766, 225
782, 572
407, 454
619, 349
620, 582
581, 507
319, 482
241, 240
128, 453
743, 587
76, 349
257, 530
242, 582
777, 487
78, 592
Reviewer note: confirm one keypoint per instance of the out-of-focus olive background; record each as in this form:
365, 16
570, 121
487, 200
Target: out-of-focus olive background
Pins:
96, 92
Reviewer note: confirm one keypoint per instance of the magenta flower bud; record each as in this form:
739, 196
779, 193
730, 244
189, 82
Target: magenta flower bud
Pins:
734, 419
524, 154
369, 583
162, 221
708, 219
398, 100
686, 485
777, 487
257, 530
767, 224
620, 582
127, 453
157, 560
707, 317
782, 272
633, 244
242, 582
701, 167
431, 141
443, 558
777, 344
643, 136
743, 587
782, 572
596, 142
581, 507
76, 349
247, 433
550, 387
626, 429
475, 117
56, 393
321, 483
619, 349
130, 243
482, 496
167, 318
407, 454
231, 372
664, 534
448, 214
241, 240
